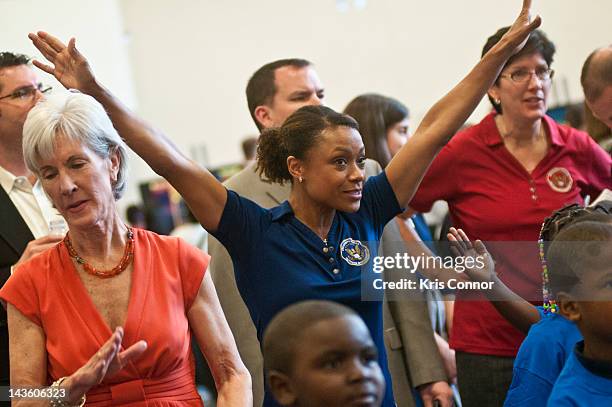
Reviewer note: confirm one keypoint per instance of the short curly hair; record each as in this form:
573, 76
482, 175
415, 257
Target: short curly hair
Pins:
300, 132
79, 117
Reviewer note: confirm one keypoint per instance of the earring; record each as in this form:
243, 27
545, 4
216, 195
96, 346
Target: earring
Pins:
497, 101
300, 179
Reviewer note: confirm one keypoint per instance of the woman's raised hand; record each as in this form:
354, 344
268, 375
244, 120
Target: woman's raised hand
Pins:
69, 66
518, 33
107, 361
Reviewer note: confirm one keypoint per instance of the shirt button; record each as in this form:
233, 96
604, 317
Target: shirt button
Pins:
532, 189
325, 250
534, 197
331, 260
335, 271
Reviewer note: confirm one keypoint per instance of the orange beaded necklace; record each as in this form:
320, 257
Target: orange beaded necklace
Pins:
128, 255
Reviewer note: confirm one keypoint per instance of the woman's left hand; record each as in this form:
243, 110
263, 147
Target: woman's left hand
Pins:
69, 67
106, 362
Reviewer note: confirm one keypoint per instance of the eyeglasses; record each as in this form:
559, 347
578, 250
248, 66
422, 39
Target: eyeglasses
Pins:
27, 92
524, 75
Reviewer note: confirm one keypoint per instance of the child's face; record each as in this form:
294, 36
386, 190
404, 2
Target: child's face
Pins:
336, 365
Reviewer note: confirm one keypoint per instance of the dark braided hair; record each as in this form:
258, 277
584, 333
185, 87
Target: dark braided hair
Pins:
560, 219
567, 216
578, 248
300, 132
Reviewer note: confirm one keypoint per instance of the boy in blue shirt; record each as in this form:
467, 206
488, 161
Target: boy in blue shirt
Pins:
580, 274
551, 339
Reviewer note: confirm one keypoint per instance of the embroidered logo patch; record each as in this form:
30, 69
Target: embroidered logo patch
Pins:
354, 252
559, 179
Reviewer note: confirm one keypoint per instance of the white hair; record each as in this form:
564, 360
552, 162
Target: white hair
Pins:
80, 118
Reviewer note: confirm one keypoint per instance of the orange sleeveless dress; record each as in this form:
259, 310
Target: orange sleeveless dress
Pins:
167, 274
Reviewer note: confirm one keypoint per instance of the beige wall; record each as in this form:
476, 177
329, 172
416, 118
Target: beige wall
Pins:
98, 27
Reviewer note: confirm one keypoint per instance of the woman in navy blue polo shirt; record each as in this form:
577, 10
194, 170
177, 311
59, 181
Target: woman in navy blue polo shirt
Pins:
314, 245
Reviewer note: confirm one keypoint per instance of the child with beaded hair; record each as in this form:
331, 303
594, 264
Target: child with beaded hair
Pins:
551, 337
320, 354
580, 274
551, 340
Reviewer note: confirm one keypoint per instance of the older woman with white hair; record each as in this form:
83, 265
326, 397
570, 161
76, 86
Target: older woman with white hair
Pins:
107, 314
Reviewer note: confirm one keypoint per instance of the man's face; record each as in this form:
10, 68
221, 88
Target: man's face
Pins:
602, 107
295, 87
13, 111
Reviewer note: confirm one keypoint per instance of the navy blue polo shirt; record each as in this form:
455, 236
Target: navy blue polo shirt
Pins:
279, 261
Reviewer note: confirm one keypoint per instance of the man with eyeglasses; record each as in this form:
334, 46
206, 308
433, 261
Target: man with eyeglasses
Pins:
274, 92
25, 212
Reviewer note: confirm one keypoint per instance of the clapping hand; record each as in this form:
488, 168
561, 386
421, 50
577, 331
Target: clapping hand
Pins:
106, 362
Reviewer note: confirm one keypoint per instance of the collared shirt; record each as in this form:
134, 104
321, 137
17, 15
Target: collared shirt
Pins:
279, 261
31, 202
582, 382
492, 197
540, 360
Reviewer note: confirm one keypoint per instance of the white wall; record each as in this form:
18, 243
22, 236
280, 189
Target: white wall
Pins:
98, 27
190, 59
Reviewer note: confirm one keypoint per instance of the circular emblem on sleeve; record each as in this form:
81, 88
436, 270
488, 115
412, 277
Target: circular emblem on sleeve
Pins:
559, 179
354, 252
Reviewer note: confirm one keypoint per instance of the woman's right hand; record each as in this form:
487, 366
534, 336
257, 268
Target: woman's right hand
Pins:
107, 361
461, 246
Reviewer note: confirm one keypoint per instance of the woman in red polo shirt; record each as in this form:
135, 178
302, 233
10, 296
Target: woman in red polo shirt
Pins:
501, 179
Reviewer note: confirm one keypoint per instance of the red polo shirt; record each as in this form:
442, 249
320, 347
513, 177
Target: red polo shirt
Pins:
493, 198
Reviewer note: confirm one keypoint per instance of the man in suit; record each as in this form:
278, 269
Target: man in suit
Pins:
25, 211
274, 92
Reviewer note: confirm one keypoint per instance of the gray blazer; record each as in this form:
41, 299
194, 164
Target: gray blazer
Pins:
412, 353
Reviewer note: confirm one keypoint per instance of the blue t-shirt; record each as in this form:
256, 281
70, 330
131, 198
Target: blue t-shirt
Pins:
279, 261
540, 360
578, 385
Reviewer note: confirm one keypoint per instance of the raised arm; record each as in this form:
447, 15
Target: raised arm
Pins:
407, 168
203, 193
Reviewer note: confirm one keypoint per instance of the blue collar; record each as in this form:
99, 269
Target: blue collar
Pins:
281, 211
